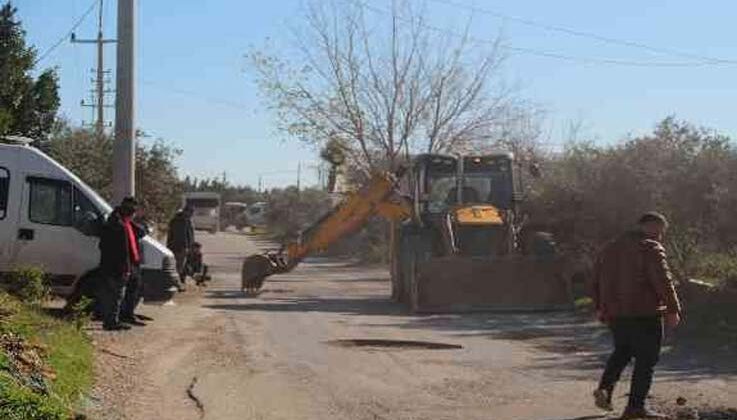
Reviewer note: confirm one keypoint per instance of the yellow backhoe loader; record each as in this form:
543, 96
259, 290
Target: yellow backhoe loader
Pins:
457, 244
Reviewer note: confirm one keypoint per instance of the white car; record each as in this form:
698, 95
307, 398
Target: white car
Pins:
45, 217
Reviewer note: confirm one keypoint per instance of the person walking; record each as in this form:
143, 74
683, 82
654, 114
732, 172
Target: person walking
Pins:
180, 239
634, 295
119, 255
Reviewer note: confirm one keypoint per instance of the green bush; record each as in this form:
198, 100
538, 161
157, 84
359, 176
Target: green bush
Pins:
20, 403
590, 193
719, 269
29, 284
81, 312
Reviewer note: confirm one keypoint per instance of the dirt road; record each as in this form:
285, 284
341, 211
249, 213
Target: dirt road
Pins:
219, 355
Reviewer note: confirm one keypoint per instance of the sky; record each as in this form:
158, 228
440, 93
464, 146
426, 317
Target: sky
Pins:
195, 89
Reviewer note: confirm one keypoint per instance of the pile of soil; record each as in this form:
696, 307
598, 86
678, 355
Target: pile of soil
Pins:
681, 410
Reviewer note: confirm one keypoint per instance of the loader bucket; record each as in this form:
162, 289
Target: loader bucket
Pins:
254, 270
513, 283
257, 267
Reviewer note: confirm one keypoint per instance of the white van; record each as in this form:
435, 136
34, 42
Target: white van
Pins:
45, 214
206, 206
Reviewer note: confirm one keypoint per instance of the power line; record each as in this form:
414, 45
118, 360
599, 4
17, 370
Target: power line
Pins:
67, 34
542, 53
586, 34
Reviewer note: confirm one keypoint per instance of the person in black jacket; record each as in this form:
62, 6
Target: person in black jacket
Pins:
180, 239
119, 255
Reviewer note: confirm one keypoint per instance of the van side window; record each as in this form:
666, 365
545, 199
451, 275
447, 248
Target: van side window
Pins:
83, 206
50, 202
4, 191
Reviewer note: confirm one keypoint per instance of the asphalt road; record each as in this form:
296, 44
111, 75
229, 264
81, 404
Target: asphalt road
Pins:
296, 352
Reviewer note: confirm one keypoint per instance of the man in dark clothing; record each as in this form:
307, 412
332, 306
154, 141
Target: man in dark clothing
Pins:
633, 292
180, 239
134, 286
119, 255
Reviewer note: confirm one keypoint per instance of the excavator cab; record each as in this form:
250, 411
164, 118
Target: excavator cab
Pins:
468, 201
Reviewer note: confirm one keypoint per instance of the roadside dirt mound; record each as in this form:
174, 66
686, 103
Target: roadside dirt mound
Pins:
680, 409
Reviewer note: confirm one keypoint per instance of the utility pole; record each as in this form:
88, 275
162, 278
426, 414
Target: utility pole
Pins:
124, 150
99, 91
299, 175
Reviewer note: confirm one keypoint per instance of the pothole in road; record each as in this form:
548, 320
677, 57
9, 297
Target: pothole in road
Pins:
394, 344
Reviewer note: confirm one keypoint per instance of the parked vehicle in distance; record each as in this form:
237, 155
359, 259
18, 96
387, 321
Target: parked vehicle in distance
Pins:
234, 214
206, 206
50, 219
257, 214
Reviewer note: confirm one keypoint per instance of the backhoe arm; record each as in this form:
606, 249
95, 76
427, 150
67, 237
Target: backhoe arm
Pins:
348, 217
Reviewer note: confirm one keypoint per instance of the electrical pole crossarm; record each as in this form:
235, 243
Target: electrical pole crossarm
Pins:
93, 41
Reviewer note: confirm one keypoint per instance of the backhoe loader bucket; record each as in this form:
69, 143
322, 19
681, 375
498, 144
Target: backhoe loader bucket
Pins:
257, 267
512, 283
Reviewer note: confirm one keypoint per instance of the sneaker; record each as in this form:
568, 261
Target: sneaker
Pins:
116, 327
642, 413
603, 399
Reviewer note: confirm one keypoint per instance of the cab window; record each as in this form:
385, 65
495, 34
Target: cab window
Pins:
50, 202
4, 191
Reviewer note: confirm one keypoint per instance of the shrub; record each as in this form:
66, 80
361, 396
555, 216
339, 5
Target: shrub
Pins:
590, 193
719, 269
20, 403
81, 312
29, 284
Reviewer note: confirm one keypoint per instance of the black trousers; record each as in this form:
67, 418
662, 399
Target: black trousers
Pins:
132, 296
110, 295
638, 338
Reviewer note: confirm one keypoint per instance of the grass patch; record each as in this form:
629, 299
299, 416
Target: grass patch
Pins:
71, 356
63, 364
20, 403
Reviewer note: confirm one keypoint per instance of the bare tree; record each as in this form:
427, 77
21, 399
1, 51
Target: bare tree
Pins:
385, 89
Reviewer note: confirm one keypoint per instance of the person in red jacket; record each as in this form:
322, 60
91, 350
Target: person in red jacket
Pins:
634, 295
